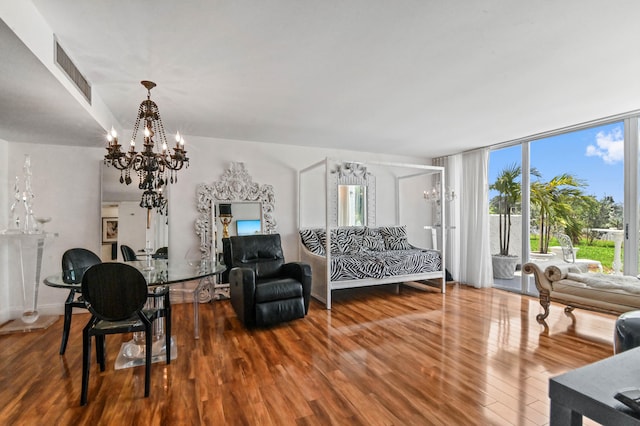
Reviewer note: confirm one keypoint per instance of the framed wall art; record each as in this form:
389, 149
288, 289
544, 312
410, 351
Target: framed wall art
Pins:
109, 229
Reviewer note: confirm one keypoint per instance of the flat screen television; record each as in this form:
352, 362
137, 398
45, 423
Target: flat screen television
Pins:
248, 227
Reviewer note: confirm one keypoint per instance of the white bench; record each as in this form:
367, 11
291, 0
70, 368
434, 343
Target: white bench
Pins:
573, 286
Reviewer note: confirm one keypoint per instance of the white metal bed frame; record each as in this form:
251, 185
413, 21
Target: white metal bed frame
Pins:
322, 285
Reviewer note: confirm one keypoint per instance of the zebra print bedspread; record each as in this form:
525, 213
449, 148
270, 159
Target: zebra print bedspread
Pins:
383, 264
362, 252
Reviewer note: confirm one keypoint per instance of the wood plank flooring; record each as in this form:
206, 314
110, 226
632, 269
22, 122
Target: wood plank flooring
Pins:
472, 357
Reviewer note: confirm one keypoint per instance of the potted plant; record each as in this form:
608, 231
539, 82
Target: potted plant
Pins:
509, 191
554, 202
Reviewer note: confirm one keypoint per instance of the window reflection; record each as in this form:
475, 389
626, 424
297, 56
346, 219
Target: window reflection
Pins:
352, 205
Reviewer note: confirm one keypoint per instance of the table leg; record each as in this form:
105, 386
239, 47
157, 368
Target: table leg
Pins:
563, 416
202, 285
196, 308
132, 353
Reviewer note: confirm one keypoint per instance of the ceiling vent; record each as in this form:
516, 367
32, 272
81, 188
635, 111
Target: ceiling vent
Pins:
65, 63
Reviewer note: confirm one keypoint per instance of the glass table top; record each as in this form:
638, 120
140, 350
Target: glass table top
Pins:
164, 272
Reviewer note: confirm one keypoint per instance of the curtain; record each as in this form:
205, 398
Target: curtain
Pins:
473, 236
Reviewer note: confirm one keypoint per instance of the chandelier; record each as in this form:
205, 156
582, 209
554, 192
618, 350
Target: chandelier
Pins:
154, 165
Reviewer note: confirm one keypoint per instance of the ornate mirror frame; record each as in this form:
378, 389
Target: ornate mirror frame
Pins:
352, 173
235, 185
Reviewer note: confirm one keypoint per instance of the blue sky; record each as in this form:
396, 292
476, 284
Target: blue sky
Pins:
594, 155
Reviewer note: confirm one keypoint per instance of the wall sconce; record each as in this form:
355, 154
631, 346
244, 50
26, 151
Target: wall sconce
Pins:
434, 195
225, 218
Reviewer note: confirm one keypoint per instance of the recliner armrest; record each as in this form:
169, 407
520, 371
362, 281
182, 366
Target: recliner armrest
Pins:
242, 288
300, 271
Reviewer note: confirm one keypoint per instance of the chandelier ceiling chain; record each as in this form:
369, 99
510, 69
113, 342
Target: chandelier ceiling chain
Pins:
155, 166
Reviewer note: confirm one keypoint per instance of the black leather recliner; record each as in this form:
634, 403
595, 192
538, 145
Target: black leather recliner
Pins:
264, 289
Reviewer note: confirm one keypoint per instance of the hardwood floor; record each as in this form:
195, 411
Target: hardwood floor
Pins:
472, 357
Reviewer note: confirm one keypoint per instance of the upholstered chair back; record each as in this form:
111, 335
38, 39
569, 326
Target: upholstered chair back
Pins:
262, 253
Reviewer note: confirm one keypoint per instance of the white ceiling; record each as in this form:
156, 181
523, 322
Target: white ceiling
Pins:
424, 77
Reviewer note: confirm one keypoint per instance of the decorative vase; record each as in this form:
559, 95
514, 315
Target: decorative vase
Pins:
504, 267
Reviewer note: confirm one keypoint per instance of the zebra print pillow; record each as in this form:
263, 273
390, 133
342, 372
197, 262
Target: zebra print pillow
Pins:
336, 238
353, 240
311, 241
322, 236
395, 237
338, 241
373, 240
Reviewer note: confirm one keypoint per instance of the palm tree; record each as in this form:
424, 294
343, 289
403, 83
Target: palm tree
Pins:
554, 201
509, 193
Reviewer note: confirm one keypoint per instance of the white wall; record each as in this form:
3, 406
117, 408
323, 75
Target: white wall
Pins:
415, 212
132, 226
4, 213
66, 182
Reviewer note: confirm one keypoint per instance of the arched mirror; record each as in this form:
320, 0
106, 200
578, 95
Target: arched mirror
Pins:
124, 222
234, 204
354, 200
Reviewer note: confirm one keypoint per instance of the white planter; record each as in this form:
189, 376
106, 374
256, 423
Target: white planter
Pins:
542, 257
504, 267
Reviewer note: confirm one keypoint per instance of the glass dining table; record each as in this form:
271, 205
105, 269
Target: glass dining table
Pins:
159, 273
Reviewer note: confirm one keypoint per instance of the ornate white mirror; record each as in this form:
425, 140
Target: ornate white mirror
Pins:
247, 208
355, 196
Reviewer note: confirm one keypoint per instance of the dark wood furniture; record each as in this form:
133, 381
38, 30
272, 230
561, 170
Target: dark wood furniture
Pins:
589, 391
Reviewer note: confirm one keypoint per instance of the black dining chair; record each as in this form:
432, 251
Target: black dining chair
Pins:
116, 295
75, 262
127, 253
161, 253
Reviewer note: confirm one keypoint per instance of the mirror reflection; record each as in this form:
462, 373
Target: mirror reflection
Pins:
231, 219
242, 218
125, 223
352, 205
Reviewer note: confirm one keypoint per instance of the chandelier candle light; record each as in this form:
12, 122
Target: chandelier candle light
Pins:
155, 168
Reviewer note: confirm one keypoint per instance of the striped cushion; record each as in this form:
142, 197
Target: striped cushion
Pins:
373, 240
359, 253
351, 243
374, 264
311, 241
395, 237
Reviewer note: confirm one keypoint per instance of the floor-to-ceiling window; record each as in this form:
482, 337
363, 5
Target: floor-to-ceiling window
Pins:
577, 189
574, 184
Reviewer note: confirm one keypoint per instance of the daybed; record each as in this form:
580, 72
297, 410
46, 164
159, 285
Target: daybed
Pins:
338, 198
365, 256
573, 286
